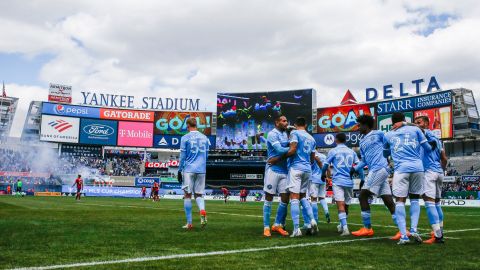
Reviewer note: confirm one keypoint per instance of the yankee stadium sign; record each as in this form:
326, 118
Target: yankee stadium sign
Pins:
151, 103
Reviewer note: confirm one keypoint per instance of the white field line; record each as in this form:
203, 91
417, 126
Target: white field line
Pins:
234, 214
212, 253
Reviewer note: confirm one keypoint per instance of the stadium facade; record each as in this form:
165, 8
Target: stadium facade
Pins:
8, 107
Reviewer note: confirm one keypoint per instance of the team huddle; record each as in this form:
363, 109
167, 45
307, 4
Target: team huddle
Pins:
297, 172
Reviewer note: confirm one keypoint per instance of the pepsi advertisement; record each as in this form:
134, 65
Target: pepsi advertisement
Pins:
70, 110
102, 132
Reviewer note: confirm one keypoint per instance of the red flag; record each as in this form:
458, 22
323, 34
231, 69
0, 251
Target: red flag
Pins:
4, 94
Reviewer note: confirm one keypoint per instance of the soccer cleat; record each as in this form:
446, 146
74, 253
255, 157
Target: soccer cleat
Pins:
203, 218
266, 232
403, 240
339, 228
397, 236
363, 232
345, 231
314, 226
434, 240
417, 237
327, 216
296, 233
188, 227
280, 230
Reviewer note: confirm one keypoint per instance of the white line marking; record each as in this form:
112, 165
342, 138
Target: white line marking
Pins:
191, 255
212, 253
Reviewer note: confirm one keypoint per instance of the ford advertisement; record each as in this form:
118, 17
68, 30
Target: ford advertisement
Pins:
102, 132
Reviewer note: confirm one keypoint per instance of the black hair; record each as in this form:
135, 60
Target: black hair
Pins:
397, 117
366, 120
341, 137
301, 122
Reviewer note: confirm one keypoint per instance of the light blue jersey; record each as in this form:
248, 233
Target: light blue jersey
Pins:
342, 159
431, 160
300, 161
371, 150
193, 152
316, 170
405, 148
277, 145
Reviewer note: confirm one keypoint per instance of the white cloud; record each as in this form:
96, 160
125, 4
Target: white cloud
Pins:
196, 48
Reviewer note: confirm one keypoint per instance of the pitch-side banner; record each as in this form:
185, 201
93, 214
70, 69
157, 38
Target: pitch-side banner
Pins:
128, 192
59, 129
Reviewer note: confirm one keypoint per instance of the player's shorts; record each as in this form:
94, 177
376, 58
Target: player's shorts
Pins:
155, 192
79, 190
193, 183
377, 182
405, 183
317, 190
274, 182
298, 181
433, 184
19, 189
342, 194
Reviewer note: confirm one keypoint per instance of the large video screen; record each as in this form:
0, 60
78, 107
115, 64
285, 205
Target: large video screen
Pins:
244, 119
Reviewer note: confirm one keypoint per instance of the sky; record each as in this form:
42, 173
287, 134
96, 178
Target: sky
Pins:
195, 49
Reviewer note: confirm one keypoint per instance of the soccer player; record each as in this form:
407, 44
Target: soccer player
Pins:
342, 159
302, 155
371, 150
317, 187
156, 188
225, 193
435, 163
79, 183
144, 192
193, 164
275, 180
404, 145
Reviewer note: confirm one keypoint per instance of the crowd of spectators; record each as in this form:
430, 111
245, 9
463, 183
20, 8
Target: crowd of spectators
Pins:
460, 186
125, 166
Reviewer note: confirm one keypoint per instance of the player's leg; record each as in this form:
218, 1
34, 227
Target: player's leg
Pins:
313, 190
187, 199
339, 195
199, 189
437, 200
322, 192
417, 181
400, 191
306, 206
430, 193
270, 188
294, 184
278, 226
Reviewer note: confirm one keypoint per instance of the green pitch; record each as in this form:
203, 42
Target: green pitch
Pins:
47, 231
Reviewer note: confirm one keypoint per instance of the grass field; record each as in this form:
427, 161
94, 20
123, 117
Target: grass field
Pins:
49, 231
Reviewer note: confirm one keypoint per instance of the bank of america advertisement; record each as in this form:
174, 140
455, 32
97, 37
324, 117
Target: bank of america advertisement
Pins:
59, 129
101, 132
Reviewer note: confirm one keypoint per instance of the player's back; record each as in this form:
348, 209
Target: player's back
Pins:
405, 147
275, 136
194, 146
371, 149
342, 159
431, 160
300, 161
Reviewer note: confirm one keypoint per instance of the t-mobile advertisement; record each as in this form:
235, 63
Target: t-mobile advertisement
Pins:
135, 134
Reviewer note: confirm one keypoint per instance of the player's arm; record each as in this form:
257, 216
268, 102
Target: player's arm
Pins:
386, 147
426, 145
443, 159
318, 161
293, 145
326, 164
183, 152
